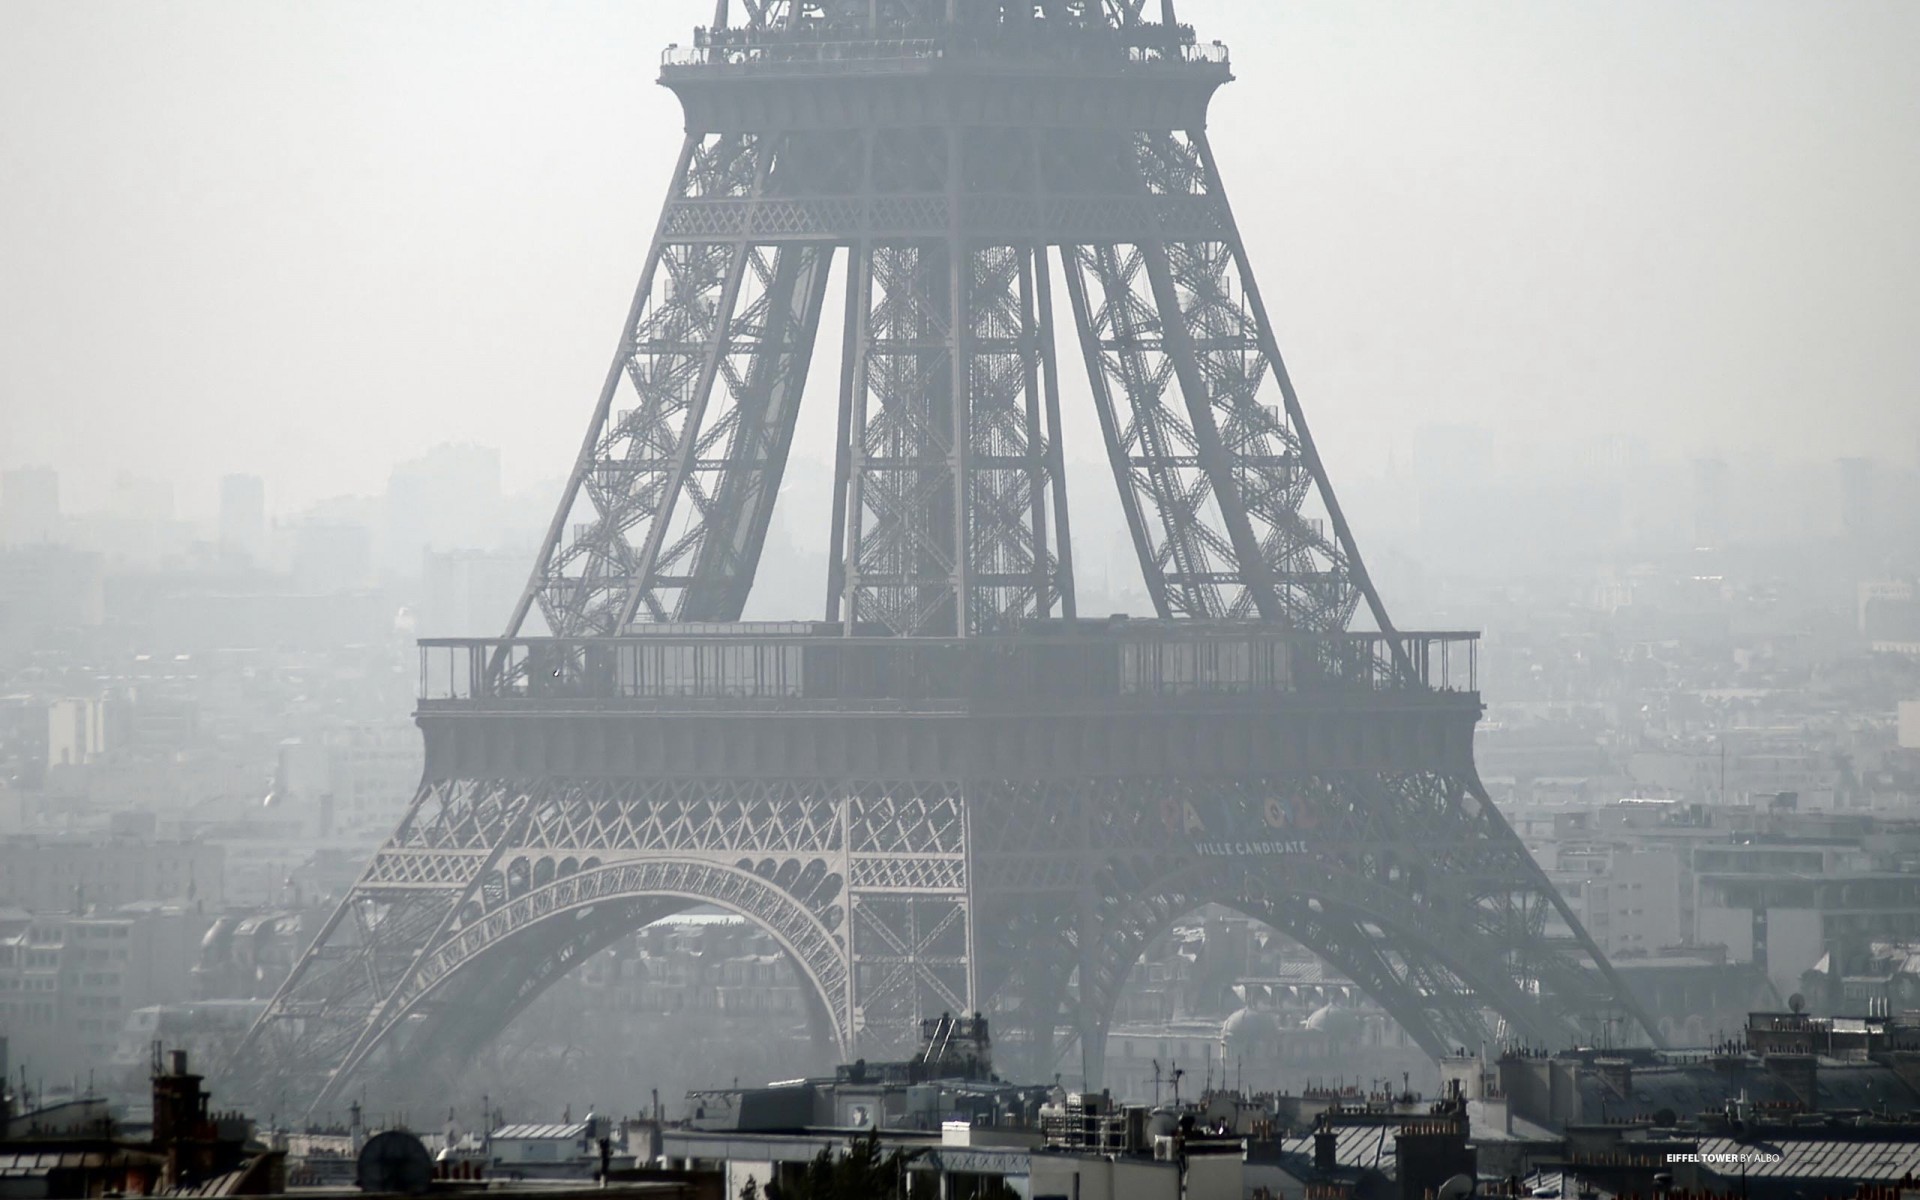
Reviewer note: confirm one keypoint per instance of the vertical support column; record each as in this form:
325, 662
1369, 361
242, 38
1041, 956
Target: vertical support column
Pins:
853, 353
944, 520
849, 939
910, 911
1087, 942
960, 268
1056, 455
844, 555
1039, 439
967, 895
900, 569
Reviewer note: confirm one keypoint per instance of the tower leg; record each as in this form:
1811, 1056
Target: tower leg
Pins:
1214, 474
669, 499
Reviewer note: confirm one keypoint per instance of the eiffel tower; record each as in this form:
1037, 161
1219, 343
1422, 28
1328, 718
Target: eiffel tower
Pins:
950, 792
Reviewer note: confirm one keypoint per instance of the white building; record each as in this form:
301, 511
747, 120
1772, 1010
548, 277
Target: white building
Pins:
534, 1145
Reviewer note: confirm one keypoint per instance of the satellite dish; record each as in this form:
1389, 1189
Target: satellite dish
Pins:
1457, 1188
395, 1162
1796, 1002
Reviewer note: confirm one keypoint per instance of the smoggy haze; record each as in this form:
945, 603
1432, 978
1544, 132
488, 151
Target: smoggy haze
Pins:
308, 239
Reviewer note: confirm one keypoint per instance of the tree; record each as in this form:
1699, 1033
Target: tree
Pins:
864, 1172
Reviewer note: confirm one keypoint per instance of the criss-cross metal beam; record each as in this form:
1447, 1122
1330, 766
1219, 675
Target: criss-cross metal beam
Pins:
955, 795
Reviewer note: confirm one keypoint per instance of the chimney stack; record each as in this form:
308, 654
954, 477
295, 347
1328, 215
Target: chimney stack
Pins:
1617, 1073
1326, 1145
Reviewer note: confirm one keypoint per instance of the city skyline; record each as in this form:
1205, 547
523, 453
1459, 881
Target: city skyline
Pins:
1033, 734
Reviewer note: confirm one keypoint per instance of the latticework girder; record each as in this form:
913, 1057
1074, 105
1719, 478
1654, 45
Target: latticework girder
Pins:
861, 798
1407, 882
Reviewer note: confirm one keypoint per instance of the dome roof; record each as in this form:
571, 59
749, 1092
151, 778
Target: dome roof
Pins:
1249, 1027
1334, 1021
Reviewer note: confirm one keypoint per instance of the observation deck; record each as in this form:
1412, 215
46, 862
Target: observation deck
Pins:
1069, 698
803, 664
1066, 76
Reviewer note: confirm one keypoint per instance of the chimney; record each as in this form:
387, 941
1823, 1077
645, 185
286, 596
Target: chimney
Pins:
1497, 1113
1835, 982
1617, 1074
1801, 1073
179, 1104
1428, 1153
1906, 1064
1326, 1145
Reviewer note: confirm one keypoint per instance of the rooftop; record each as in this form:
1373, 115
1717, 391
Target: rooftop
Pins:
536, 1132
1815, 1158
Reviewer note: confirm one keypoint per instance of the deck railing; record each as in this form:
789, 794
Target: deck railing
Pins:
807, 56
798, 664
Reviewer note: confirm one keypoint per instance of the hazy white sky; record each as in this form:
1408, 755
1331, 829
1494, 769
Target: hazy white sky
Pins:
307, 239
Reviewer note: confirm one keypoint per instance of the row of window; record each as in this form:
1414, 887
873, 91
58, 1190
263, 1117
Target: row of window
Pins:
18, 1014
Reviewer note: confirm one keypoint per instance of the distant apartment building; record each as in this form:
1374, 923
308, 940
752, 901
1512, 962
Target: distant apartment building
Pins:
69, 983
376, 770
1889, 615
55, 874
45, 591
1758, 772
1694, 995
1721, 902
1785, 922
76, 731
1630, 898
759, 985
354, 779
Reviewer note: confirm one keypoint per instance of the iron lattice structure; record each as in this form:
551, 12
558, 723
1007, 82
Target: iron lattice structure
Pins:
951, 793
